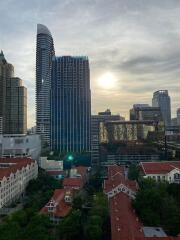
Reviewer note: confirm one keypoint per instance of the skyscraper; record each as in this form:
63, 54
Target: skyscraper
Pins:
70, 104
44, 54
162, 99
95, 132
13, 100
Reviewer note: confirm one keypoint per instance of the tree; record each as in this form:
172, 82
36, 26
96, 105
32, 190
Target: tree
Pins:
71, 226
133, 172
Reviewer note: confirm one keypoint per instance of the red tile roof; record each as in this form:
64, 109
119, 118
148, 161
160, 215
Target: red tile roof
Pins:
82, 170
125, 224
14, 165
117, 176
158, 167
73, 183
62, 208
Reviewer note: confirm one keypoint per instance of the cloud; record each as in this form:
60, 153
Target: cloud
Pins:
138, 41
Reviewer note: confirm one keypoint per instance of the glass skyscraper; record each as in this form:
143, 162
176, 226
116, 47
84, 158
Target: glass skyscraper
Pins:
70, 104
44, 54
162, 100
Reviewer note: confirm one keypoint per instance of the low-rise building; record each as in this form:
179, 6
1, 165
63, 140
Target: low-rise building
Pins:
50, 164
73, 183
161, 171
125, 223
15, 174
20, 145
80, 172
57, 174
59, 205
77, 179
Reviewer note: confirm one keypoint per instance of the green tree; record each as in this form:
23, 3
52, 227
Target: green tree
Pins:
71, 226
133, 172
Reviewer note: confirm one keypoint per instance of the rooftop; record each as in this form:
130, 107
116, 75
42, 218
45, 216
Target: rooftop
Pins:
73, 183
61, 207
42, 29
11, 165
159, 167
125, 224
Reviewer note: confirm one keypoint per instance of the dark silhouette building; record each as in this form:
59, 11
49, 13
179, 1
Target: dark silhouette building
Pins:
70, 104
13, 100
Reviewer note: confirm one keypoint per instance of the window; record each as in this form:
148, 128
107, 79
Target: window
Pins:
177, 176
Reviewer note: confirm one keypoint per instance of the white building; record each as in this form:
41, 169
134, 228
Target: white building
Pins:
50, 164
161, 171
18, 145
15, 174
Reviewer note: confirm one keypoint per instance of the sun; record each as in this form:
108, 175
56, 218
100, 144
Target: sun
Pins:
107, 81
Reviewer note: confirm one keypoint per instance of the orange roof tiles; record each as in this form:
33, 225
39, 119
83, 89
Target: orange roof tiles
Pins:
159, 167
14, 165
125, 224
72, 183
62, 208
82, 170
117, 176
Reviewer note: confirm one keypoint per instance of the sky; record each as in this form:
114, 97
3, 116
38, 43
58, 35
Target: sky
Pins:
135, 43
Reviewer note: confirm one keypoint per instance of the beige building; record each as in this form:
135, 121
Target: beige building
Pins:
15, 174
13, 100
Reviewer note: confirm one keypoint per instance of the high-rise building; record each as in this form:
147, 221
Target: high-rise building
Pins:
95, 132
178, 116
70, 104
44, 54
145, 112
13, 100
162, 99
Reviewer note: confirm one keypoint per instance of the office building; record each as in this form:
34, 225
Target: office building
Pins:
15, 174
145, 112
178, 116
127, 131
70, 105
13, 100
95, 132
44, 54
162, 100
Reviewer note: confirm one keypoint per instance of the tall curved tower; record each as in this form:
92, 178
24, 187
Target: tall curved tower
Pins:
44, 53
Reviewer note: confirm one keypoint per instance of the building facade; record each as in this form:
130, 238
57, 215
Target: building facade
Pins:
15, 174
20, 145
145, 112
95, 132
162, 100
161, 171
70, 104
13, 100
44, 54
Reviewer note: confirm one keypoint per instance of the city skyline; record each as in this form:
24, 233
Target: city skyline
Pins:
135, 52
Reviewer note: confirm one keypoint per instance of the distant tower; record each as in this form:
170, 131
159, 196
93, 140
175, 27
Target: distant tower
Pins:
162, 99
13, 100
178, 116
70, 105
44, 54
